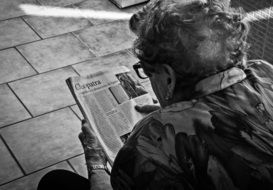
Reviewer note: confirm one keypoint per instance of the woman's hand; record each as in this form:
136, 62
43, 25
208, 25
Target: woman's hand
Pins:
148, 108
94, 154
95, 159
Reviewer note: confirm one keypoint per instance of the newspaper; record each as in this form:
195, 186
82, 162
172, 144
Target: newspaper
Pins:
107, 100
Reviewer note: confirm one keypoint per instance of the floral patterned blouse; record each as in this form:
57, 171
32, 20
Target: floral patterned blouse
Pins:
222, 139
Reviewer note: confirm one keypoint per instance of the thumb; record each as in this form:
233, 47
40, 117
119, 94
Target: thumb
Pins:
146, 108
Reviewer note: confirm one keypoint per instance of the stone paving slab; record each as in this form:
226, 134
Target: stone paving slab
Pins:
45, 140
107, 38
45, 92
9, 169
77, 111
15, 32
11, 9
56, 52
11, 109
31, 181
104, 5
122, 58
53, 26
13, 66
59, 3
79, 164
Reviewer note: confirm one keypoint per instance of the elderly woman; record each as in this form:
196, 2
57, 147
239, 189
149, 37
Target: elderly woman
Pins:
214, 129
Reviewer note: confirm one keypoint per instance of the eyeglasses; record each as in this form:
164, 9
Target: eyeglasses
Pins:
139, 71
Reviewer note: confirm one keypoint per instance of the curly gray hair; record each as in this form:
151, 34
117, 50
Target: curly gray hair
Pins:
196, 37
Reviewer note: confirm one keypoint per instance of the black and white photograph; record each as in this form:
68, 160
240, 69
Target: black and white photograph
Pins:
136, 94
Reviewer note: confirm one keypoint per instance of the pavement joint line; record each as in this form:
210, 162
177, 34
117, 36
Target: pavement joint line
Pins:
11, 81
34, 41
60, 68
20, 45
75, 71
19, 79
11, 18
32, 28
18, 122
57, 35
66, 67
26, 60
74, 111
72, 167
58, 109
13, 155
19, 99
36, 171
84, 43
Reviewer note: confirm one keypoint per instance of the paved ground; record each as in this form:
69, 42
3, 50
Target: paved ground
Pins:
39, 121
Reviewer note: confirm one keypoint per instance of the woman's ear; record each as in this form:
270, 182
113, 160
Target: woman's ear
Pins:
170, 77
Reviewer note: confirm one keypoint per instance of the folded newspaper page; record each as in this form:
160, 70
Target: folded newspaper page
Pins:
107, 100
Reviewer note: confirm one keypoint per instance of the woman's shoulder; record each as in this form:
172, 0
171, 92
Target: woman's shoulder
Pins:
140, 125
222, 144
261, 67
